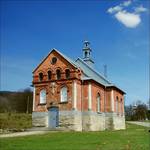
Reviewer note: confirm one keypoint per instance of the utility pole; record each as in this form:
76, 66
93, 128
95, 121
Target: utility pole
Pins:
27, 111
105, 70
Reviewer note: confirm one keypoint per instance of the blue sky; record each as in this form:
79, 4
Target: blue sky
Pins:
117, 30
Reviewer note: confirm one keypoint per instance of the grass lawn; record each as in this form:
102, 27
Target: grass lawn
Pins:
133, 138
146, 121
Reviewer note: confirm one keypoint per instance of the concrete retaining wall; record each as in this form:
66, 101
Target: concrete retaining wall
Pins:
114, 121
82, 121
70, 120
93, 121
40, 119
119, 122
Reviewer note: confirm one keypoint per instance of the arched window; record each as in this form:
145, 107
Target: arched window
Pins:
42, 96
41, 76
117, 105
63, 95
58, 74
86, 54
67, 71
49, 73
98, 103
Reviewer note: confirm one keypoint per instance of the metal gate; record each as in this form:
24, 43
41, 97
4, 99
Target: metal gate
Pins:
53, 117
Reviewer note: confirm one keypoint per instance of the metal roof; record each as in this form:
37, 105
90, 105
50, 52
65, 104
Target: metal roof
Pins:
91, 73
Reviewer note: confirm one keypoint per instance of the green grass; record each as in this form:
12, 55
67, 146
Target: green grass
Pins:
15, 120
133, 138
145, 121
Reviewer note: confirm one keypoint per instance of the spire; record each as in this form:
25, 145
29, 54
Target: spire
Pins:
87, 53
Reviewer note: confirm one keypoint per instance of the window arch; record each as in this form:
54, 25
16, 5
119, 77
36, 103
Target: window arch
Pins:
58, 74
49, 73
63, 94
42, 96
117, 105
98, 103
67, 72
40, 76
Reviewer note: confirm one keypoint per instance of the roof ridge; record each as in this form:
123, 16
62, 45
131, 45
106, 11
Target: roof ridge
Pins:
67, 58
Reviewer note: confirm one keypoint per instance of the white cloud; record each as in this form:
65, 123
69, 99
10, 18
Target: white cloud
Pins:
119, 7
130, 20
114, 9
127, 3
140, 9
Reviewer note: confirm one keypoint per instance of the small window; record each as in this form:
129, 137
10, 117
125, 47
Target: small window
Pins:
63, 95
40, 76
86, 54
49, 75
67, 73
54, 60
98, 103
58, 73
42, 96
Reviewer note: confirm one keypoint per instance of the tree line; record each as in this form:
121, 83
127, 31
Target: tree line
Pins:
19, 102
138, 111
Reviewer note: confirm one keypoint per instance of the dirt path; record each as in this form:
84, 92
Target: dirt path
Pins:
23, 133
145, 124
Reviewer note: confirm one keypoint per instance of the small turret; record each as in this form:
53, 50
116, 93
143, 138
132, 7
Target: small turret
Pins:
87, 53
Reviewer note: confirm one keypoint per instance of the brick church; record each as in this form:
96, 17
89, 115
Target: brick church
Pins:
72, 95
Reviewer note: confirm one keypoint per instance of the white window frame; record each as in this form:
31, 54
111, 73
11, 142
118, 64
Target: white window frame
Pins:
63, 94
43, 96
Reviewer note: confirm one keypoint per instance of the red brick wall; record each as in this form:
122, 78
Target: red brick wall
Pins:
121, 103
79, 103
95, 90
85, 96
53, 99
108, 100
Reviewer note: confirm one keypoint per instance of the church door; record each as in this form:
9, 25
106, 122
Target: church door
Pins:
53, 117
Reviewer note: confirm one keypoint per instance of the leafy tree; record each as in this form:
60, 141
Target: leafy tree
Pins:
137, 112
140, 112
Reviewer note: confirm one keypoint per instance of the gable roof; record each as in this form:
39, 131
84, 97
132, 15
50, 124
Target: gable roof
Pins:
89, 73
55, 50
